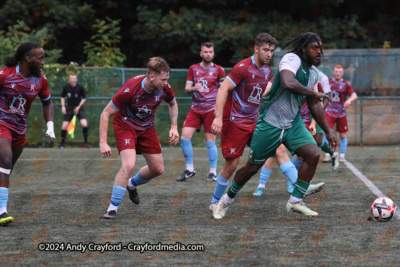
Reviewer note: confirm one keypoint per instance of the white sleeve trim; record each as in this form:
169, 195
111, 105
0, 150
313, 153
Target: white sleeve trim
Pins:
290, 62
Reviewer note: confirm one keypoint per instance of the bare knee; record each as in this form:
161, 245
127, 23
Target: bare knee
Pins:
157, 170
312, 157
128, 169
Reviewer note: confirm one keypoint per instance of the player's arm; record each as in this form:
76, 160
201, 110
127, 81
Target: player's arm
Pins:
64, 111
190, 87
222, 95
104, 119
319, 116
269, 85
351, 99
76, 110
173, 113
290, 83
48, 114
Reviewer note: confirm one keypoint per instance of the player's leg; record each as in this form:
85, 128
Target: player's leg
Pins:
128, 159
343, 146
212, 156
63, 133
211, 146
187, 150
299, 141
287, 168
5, 170
323, 143
223, 180
331, 121
82, 118
265, 173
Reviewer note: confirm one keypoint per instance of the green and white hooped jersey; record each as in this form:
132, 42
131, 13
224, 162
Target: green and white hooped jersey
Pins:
281, 106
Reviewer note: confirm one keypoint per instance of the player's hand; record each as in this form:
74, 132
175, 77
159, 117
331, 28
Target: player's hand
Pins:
347, 104
173, 136
197, 86
313, 129
105, 150
216, 127
332, 141
63, 110
76, 110
322, 95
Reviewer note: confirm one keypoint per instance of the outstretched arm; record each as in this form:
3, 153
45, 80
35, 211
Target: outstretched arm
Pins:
173, 113
104, 119
48, 114
222, 95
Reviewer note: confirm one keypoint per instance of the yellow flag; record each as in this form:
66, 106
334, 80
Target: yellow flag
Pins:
71, 127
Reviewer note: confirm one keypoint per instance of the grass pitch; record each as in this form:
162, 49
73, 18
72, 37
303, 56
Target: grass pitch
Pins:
61, 196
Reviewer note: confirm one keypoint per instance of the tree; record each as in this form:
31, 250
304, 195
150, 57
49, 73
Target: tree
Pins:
104, 50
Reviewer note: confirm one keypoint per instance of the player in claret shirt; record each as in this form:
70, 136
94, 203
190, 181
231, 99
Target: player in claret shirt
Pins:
236, 110
134, 107
336, 110
19, 86
203, 81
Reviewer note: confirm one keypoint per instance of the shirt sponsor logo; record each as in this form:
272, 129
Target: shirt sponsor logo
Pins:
21, 105
204, 88
255, 96
335, 96
143, 112
127, 90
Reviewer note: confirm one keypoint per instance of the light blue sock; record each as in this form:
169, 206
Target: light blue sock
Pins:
296, 162
265, 173
138, 180
220, 188
117, 195
343, 145
289, 170
212, 154
3, 197
187, 150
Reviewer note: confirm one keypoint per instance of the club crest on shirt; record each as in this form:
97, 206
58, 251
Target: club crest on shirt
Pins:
157, 98
255, 96
32, 87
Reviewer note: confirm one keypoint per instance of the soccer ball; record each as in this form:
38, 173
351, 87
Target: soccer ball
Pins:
383, 209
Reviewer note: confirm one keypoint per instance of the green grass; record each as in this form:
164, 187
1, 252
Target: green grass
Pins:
61, 195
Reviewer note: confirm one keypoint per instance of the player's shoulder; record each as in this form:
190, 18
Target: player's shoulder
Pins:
290, 57
136, 79
43, 77
7, 70
245, 63
195, 66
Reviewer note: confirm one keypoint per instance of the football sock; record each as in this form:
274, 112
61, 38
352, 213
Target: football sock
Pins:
3, 199
187, 151
212, 156
343, 145
300, 189
296, 162
63, 136
228, 199
220, 188
325, 147
116, 197
289, 170
233, 189
137, 180
265, 173
85, 133
293, 199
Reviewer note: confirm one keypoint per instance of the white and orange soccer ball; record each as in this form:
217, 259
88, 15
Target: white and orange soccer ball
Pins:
383, 209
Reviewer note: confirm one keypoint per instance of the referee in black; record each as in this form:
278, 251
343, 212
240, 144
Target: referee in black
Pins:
76, 97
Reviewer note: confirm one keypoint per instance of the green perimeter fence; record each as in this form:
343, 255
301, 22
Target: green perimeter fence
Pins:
372, 120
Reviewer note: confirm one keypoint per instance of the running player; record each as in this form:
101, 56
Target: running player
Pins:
19, 86
280, 122
76, 98
241, 91
336, 110
134, 107
203, 81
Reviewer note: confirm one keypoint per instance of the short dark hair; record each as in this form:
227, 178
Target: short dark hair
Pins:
157, 65
265, 38
207, 44
23, 51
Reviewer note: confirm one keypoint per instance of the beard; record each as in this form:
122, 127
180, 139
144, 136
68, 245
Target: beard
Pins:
207, 60
34, 70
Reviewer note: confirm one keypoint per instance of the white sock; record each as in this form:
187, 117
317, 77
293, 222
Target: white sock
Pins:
3, 209
189, 167
261, 185
327, 154
228, 199
341, 155
293, 199
112, 207
213, 170
130, 185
